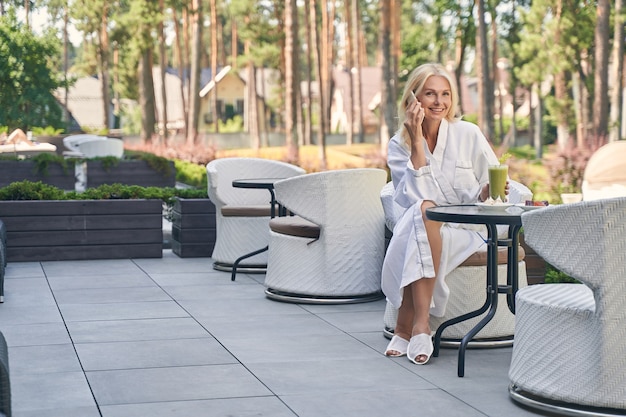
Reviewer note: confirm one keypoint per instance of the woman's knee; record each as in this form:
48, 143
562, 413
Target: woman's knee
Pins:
426, 204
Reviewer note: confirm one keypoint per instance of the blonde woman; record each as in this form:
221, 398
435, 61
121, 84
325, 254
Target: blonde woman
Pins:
435, 159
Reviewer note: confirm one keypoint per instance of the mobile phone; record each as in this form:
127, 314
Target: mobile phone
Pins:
412, 97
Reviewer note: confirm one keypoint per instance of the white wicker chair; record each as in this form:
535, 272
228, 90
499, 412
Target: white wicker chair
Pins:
244, 227
343, 263
570, 340
467, 287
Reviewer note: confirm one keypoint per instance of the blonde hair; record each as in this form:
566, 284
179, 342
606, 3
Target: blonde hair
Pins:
416, 83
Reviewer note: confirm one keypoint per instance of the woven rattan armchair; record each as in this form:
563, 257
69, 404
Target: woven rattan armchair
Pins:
242, 215
332, 250
569, 354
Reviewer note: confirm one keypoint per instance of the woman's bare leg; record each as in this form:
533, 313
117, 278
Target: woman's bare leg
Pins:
422, 289
414, 312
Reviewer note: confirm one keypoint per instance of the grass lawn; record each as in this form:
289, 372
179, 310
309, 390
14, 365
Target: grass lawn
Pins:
531, 173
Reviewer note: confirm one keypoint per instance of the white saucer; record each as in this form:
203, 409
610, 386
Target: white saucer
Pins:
494, 207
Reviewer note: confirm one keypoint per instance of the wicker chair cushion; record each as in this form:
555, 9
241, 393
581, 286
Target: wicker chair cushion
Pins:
295, 226
246, 211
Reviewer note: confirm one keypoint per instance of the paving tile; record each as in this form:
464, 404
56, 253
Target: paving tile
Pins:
29, 314
227, 307
177, 278
174, 384
110, 295
336, 376
24, 270
152, 354
274, 325
410, 401
131, 279
79, 269
131, 330
262, 348
49, 391
240, 407
27, 292
121, 311
378, 305
356, 321
35, 334
91, 411
36, 359
174, 264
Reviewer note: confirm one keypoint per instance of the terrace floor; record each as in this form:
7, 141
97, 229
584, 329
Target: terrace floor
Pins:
173, 337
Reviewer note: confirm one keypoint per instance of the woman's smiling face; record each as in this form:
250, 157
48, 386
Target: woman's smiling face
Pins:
436, 98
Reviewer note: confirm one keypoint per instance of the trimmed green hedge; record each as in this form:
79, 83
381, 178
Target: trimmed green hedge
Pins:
28, 190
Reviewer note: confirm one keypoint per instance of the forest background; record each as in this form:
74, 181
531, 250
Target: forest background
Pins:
565, 56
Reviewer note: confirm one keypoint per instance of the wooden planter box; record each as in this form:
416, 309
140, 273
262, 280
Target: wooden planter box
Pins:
135, 172
193, 227
13, 171
83, 229
128, 172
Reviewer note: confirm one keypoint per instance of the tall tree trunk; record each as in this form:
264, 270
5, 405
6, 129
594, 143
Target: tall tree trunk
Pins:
163, 65
146, 96
538, 129
496, 75
579, 105
459, 55
194, 81
181, 68
396, 16
348, 57
317, 71
265, 141
560, 88
308, 108
617, 105
187, 27
251, 107
328, 54
66, 66
356, 62
325, 75
292, 84
485, 111
387, 105
214, 38
233, 43
601, 97
103, 51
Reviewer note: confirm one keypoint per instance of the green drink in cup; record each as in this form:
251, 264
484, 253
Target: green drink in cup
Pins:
498, 175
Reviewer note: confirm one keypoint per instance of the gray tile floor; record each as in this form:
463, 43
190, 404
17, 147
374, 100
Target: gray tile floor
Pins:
173, 337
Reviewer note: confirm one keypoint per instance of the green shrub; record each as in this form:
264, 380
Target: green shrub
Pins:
28, 190
555, 276
191, 174
46, 131
44, 159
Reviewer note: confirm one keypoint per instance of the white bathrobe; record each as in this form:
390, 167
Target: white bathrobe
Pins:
454, 174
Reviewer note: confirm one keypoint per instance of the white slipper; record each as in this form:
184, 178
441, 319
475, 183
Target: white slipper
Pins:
399, 345
420, 345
